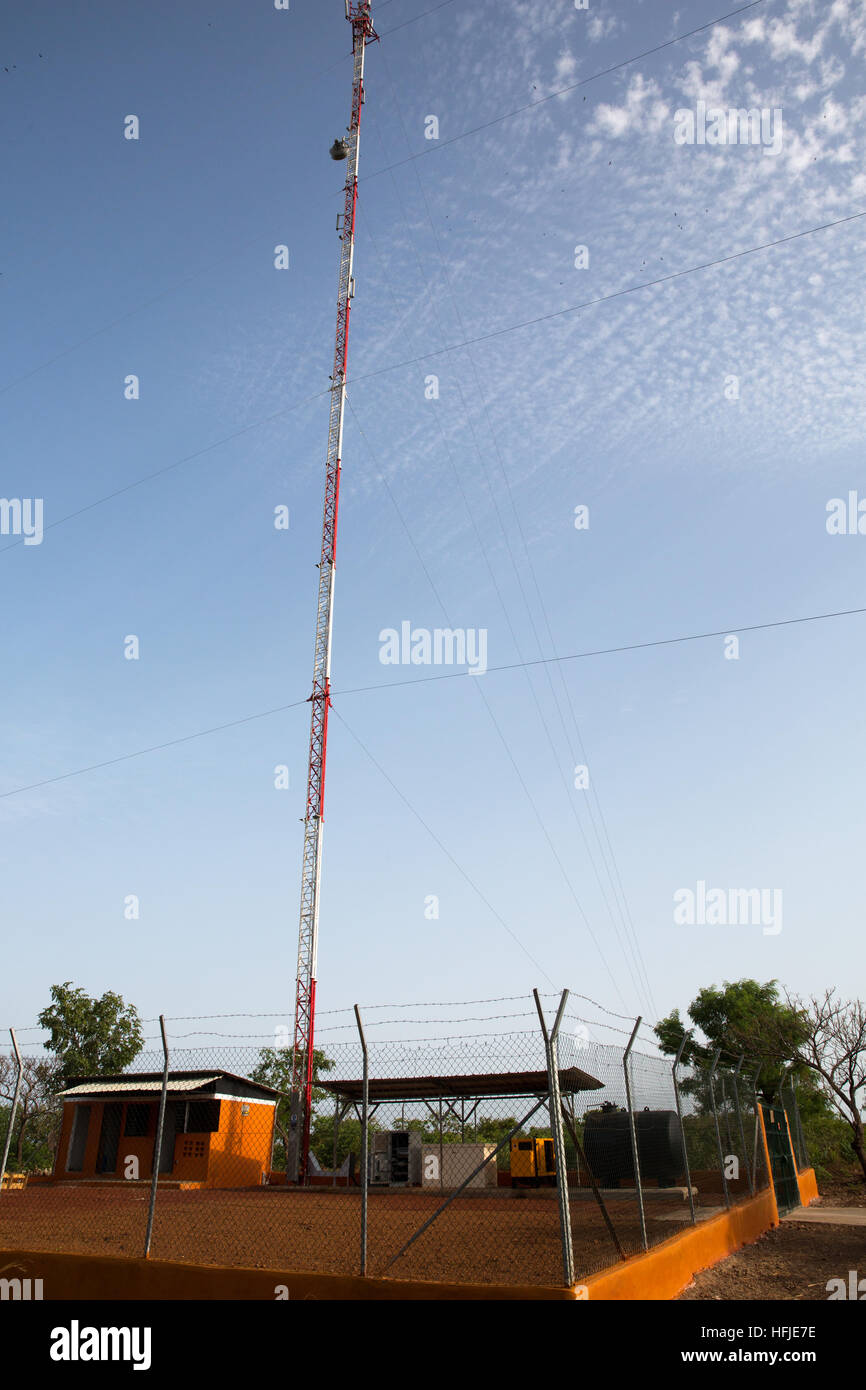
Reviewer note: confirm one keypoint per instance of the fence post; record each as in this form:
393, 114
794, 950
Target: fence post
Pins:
718, 1133
441, 1154
726, 1113
803, 1150
551, 1043
786, 1068
14, 1106
157, 1143
365, 1098
794, 1129
682, 1130
740, 1124
578, 1148
634, 1153
757, 1120
337, 1105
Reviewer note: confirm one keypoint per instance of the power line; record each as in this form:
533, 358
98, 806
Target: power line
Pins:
440, 144
167, 468
473, 885
451, 675
414, 20
608, 651
496, 725
121, 318
562, 91
633, 944
154, 748
438, 352
605, 298
483, 550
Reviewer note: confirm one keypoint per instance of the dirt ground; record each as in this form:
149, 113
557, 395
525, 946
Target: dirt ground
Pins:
497, 1238
842, 1192
794, 1261
500, 1238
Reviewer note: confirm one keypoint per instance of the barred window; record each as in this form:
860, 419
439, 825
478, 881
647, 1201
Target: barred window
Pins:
137, 1117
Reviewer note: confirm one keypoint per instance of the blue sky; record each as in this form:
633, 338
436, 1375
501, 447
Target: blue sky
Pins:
155, 257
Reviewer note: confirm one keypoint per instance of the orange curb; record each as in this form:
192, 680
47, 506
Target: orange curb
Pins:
808, 1186
664, 1271
658, 1274
101, 1277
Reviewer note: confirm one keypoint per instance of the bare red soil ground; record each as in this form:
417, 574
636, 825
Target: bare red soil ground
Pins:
501, 1238
794, 1261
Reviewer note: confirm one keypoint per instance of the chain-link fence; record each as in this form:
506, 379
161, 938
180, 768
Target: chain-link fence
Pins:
788, 1094
535, 1157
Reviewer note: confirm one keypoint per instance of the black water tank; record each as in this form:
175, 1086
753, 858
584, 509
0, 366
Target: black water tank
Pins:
607, 1145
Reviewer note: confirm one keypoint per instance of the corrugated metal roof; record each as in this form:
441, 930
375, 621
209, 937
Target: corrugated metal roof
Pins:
132, 1083
128, 1082
488, 1085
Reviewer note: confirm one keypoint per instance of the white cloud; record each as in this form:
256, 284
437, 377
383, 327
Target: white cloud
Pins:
601, 27
566, 67
834, 115
643, 110
784, 42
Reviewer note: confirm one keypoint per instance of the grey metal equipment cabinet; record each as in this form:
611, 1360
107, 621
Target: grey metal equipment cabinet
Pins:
395, 1158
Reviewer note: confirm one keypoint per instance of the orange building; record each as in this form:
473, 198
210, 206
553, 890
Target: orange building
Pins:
218, 1129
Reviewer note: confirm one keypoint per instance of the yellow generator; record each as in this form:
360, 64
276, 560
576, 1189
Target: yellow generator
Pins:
532, 1163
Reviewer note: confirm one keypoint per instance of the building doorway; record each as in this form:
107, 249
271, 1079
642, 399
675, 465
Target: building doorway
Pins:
78, 1139
109, 1137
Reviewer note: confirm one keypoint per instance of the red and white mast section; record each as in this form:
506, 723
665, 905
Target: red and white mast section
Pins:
359, 16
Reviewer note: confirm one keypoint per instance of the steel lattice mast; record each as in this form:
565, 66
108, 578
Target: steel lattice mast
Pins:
358, 14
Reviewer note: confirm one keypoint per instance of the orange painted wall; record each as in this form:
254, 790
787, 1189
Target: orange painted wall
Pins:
129, 1146
89, 1165
235, 1156
99, 1277
240, 1151
664, 1271
63, 1141
140, 1147
191, 1157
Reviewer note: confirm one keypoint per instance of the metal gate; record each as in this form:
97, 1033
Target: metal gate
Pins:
781, 1158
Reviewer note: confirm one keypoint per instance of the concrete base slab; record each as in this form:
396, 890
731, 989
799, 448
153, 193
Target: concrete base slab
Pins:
629, 1194
828, 1216
683, 1218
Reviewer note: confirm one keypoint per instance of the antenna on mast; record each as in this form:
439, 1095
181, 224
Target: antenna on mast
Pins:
359, 16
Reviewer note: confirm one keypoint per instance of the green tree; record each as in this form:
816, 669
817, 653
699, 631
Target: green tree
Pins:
90, 1036
37, 1117
274, 1068
491, 1130
428, 1127
348, 1139
739, 1018
833, 1049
